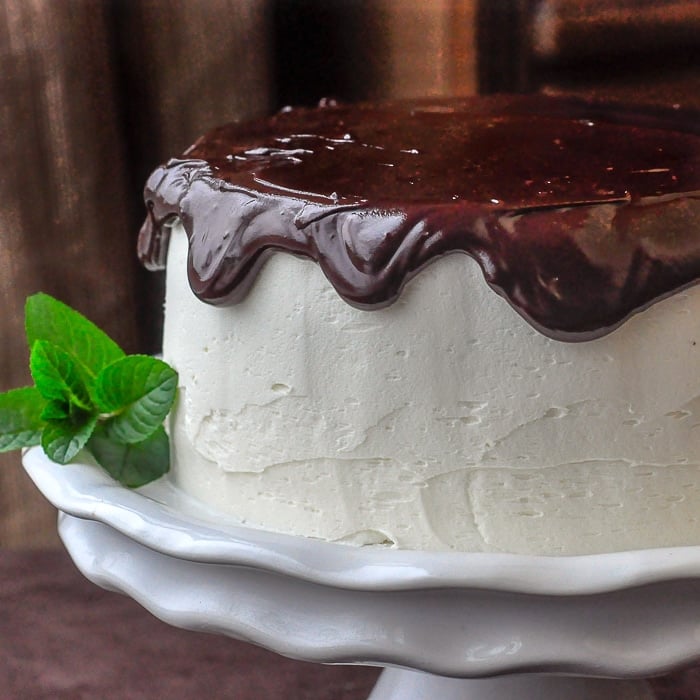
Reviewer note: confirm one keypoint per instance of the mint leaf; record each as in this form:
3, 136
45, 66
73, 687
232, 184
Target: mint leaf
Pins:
20, 418
140, 391
89, 394
135, 464
48, 319
56, 410
57, 375
62, 440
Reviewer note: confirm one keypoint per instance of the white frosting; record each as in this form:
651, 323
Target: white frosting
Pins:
442, 422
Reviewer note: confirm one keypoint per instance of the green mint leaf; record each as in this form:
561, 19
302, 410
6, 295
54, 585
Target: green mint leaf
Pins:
89, 394
48, 319
62, 440
139, 390
56, 410
57, 375
20, 418
135, 464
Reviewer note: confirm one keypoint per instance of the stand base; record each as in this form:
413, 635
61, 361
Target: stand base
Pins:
400, 684
476, 615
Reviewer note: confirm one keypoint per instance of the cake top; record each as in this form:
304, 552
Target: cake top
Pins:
579, 214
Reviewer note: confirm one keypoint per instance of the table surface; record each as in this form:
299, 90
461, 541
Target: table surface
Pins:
63, 638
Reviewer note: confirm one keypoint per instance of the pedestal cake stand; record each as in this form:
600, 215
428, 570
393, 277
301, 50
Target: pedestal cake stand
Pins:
448, 626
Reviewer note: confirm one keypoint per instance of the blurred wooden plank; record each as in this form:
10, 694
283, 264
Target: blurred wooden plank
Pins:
183, 67
92, 96
62, 202
430, 47
503, 45
189, 66
634, 51
373, 49
572, 31
462, 71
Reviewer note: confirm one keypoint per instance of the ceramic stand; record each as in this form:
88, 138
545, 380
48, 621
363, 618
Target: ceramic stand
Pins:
449, 626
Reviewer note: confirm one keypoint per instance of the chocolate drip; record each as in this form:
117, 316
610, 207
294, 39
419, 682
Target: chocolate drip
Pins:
579, 214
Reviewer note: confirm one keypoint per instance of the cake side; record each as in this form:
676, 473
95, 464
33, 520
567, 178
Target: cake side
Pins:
442, 422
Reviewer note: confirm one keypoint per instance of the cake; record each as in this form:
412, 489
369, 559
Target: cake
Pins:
345, 375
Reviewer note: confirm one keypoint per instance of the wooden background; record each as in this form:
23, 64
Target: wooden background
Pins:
92, 95
95, 93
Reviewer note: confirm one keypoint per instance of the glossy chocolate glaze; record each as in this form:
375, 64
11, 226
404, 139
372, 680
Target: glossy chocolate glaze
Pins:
579, 214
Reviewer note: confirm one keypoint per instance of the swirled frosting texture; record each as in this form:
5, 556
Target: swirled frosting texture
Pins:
578, 214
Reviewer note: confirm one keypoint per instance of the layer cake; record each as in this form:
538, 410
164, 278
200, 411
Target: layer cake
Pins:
345, 375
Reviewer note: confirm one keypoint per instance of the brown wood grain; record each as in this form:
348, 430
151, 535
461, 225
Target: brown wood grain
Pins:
62, 190
182, 68
190, 66
570, 31
92, 96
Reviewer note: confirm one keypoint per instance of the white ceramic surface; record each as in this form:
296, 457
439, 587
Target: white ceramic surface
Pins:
625, 615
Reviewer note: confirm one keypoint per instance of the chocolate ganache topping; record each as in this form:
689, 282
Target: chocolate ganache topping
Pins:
579, 214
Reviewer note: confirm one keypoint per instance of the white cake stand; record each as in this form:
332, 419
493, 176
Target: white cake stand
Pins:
446, 625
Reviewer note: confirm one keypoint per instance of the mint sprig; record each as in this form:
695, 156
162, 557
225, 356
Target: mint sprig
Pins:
88, 394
